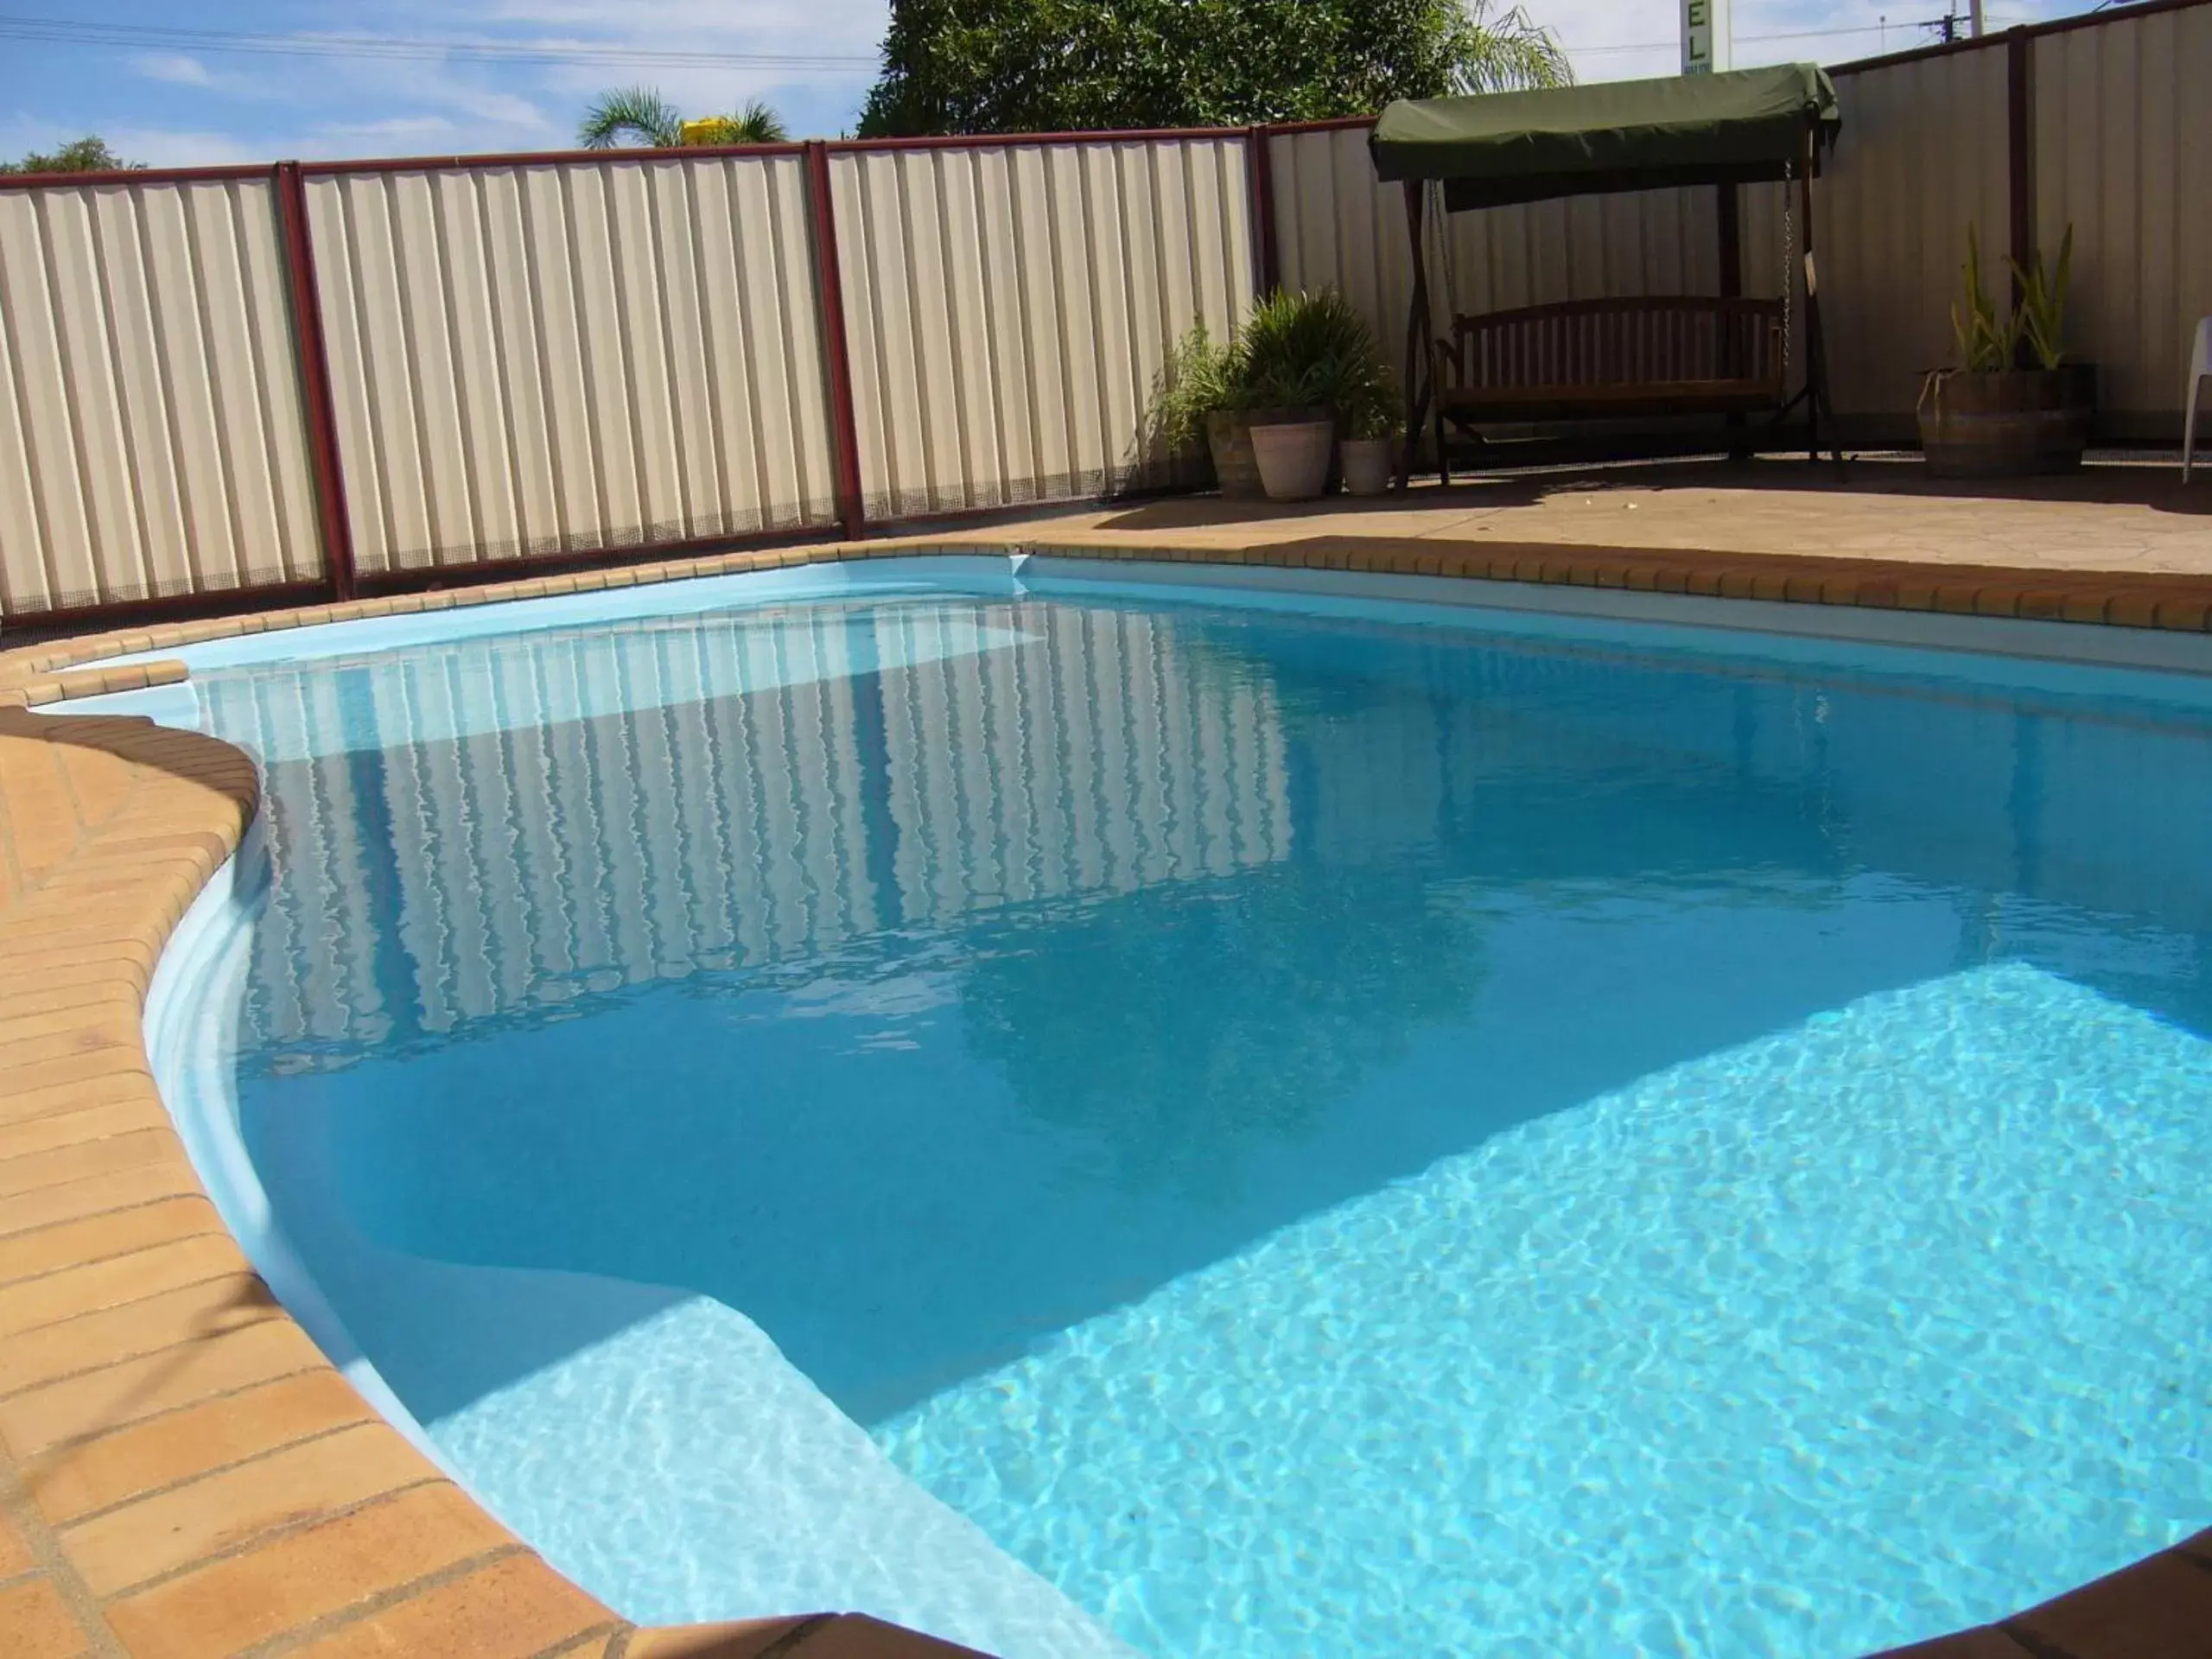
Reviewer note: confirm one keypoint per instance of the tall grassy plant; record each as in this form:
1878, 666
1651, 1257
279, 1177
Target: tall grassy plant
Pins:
1986, 344
1309, 349
1202, 374
2040, 317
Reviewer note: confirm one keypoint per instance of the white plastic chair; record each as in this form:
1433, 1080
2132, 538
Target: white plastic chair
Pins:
2200, 371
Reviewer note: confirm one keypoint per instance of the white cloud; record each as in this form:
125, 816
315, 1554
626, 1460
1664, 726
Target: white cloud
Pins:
173, 67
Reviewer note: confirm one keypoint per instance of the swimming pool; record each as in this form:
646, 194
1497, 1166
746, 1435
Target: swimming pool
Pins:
1090, 1115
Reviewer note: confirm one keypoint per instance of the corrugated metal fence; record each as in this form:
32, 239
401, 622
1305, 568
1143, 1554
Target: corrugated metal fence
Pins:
302, 377
2122, 151
1010, 308
151, 439
570, 356
2117, 142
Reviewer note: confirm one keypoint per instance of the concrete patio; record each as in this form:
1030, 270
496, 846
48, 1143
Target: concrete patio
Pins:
2120, 515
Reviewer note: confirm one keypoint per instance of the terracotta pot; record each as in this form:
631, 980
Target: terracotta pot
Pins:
1293, 457
1366, 464
2006, 423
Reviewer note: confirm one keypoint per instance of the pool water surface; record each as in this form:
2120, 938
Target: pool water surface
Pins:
1088, 1124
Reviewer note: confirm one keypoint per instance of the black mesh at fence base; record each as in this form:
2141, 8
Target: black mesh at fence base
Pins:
886, 508
641, 539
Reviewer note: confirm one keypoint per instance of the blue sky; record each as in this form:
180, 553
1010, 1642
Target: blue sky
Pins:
171, 101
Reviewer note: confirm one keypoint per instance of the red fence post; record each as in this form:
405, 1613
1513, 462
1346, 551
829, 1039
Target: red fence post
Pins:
1267, 265
315, 379
844, 427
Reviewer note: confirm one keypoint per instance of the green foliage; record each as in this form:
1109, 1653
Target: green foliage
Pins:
755, 122
640, 115
87, 155
1311, 349
1202, 374
2040, 317
1041, 65
631, 114
1295, 350
1984, 344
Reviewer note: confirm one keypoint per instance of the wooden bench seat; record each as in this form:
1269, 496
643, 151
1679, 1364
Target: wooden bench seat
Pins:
1597, 358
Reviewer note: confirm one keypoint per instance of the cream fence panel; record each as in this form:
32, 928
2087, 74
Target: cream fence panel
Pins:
1922, 157
151, 437
2123, 146
1008, 308
560, 356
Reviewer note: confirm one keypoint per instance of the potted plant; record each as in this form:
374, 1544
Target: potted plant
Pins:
1366, 453
1989, 418
1301, 360
1310, 361
1203, 402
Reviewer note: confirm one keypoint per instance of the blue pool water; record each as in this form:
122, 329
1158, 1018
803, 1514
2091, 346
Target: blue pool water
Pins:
1094, 1124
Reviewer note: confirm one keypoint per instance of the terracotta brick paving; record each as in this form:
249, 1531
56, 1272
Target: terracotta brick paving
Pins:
181, 1472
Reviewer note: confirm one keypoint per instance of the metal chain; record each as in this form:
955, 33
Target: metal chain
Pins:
1789, 262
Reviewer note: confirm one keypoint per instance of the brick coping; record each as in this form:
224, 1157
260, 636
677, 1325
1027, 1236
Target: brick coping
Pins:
33, 675
183, 1474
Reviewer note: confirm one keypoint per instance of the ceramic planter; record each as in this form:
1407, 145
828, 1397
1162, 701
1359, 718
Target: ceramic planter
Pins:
1366, 463
1294, 455
2006, 423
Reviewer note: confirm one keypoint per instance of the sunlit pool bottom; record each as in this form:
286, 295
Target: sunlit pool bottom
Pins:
1072, 1117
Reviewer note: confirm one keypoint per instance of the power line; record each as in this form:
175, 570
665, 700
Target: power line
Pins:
1744, 39
144, 37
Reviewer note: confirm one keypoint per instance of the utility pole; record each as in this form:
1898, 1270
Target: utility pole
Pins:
1975, 13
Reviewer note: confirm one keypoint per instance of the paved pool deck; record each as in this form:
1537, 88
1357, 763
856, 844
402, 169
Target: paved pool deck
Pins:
181, 1472
2114, 519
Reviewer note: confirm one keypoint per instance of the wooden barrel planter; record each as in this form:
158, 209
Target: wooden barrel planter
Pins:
2006, 423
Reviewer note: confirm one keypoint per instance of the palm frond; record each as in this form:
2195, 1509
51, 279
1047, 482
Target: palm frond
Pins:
758, 123
755, 122
631, 114
1506, 51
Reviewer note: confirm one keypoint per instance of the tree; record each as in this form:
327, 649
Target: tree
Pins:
640, 115
1037, 66
87, 155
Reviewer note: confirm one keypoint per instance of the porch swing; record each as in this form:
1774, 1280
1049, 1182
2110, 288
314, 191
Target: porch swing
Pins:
1647, 355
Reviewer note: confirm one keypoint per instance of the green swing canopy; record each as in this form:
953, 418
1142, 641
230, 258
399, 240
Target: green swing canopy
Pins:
1496, 147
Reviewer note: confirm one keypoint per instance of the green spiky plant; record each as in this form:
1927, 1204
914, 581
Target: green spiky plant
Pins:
1309, 349
1295, 350
640, 115
1986, 344
2040, 317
